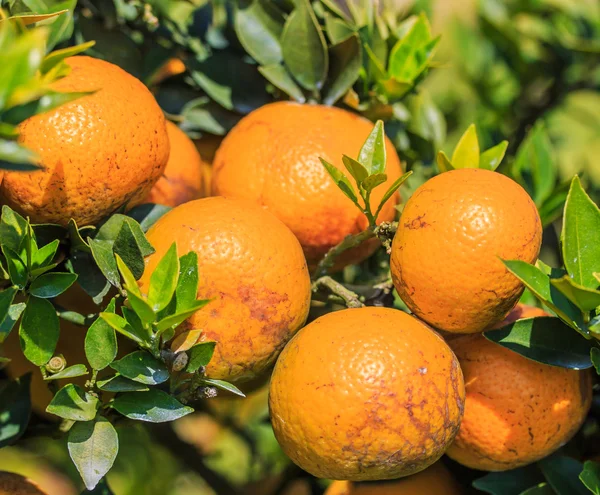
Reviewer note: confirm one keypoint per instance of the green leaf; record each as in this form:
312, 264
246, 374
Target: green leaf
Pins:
39, 331
101, 341
443, 162
590, 476
16, 267
14, 313
563, 474
539, 283
584, 298
595, 358
28, 19
122, 326
45, 255
341, 180
545, 339
111, 229
304, 48
187, 283
491, 158
220, 384
258, 26
535, 164
52, 284
372, 154
15, 408
77, 238
71, 402
93, 447
70, 372
178, 318
512, 482
144, 311
346, 63
13, 228
7, 297
127, 248
541, 489
163, 280
102, 488
154, 406
466, 153
128, 277
143, 332
57, 56
13, 156
581, 252
337, 30
279, 77
103, 255
355, 168
48, 101
390, 192
119, 383
146, 216
142, 367
200, 355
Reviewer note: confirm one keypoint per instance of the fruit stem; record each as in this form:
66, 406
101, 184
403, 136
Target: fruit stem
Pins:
349, 242
350, 298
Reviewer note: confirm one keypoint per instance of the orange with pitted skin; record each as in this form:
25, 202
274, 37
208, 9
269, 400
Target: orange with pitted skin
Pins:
15, 484
99, 152
435, 480
183, 178
517, 410
452, 235
272, 158
253, 269
366, 394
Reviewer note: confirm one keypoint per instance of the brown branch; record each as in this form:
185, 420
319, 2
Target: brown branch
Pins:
350, 298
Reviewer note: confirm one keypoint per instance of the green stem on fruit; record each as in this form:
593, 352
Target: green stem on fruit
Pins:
350, 299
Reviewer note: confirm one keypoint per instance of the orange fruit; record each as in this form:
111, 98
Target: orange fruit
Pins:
99, 152
517, 410
366, 394
435, 480
446, 255
253, 269
15, 484
182, 180
272, 158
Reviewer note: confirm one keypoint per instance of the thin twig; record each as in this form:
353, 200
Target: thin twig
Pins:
350, 298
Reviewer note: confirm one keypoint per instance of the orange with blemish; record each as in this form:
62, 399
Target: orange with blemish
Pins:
452, 235
366, 394
99, 152
15, 484
517, 410
253, 269
272, 158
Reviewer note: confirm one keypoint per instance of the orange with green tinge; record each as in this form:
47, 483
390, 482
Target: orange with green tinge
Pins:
366, 394
517, 410
435, 480
452, 234
99, 152
183, 178
272, 158
251, 267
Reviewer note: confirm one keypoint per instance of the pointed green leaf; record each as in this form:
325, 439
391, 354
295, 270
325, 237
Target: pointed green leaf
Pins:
258, 26
7, 297
121, 325
563, 474
49, 101
595, 357
220, 384
39, 331
28, 19
129, 280
142, 332
93, 448
200, 355
337, 30
101, 341
304, 48
391, 191
545, 339
581, 251
513, 482
466, 153
70, 372
373, 154
15, 409
541, 489
103, 255
491, 158
13, 227
127, 248
142, 367
539, 283
187, 283
584, 298
57, 56
346, 63
119, 383
53, 284
163, 280
355, 168
178, 318
590, 476
16, 267
341, 180
279, 77
71, 402
154, 406
373, 181
45, 255
14, 313
443, 162
141, 308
